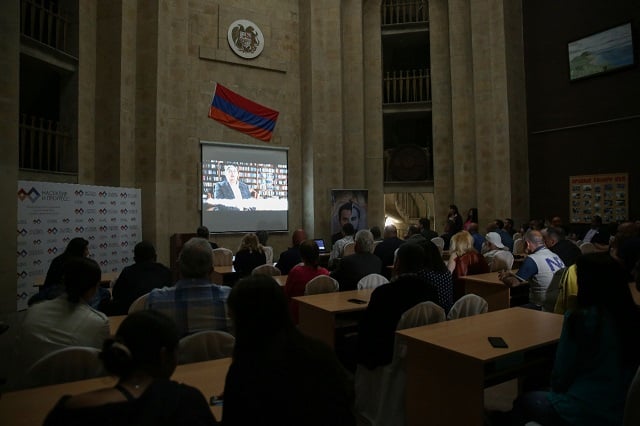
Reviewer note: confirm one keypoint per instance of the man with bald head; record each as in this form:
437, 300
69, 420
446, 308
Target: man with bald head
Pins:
537, 269
387, 248
291, 257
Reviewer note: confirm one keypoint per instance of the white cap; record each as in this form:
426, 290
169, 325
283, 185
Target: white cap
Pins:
494, 238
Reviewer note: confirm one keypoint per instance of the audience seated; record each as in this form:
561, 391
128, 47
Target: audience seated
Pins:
278, 375
375, 231
597, 355
597, 234
376, 331
203, 232
249, 255
193, 303
554, 239
263, 237
291, 257
447, 234
386, 249
353, 267
464, 260
143, 356
338, 247
414, 235
138, 279
436, 274
67, 320
505, 237
300, 275
478, 239
537, 269
424, 225
492, 245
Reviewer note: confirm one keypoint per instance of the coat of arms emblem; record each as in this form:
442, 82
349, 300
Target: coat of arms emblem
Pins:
245, 39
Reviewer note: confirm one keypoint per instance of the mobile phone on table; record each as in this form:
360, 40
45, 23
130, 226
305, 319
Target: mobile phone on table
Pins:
216, 400
358, 301
498, 342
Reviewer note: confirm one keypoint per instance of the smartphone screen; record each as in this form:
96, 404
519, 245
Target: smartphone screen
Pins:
498, 342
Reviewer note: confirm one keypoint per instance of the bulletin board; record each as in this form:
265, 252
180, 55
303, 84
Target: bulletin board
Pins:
605, 195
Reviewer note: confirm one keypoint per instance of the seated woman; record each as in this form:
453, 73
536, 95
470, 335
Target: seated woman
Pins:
143, 356
436, 274
300, 275
249, 255
278, 375
464, 260
597, 355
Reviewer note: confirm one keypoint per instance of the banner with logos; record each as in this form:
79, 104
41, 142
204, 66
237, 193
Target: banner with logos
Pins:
605, 195
51, 214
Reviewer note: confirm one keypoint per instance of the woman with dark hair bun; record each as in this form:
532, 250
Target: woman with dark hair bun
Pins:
143, 356
278, 375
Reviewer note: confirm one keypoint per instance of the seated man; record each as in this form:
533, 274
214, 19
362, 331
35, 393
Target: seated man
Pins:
194, 303
492, 245
291, 257
556, 242
424, 225
386, 249
538, 269
353, 267
203, 232
376, 331
597, 235
138, 279
338, 247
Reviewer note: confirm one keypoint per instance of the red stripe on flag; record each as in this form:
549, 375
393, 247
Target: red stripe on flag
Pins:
232, 122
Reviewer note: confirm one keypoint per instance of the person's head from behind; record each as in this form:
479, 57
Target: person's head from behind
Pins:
409, 259
499, 223
298, 236
196, 259
494, 242
413, 230
144, 252
348, 229
375, 231
473, 228
263, 237
552, 236
364, 241
349, 213
81, 278
146, 341
259, 311
596, 222
461, 243
390, 231
556, 221
77, 247
432, 257
424, 223
508, 224
202, 232
310, 252
249, 242
601, 282
533, 240
231, 173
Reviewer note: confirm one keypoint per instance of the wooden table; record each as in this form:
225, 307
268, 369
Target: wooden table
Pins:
490, 288
449, 364
281, 279
319, 312
223, 275
30, 406
114, 323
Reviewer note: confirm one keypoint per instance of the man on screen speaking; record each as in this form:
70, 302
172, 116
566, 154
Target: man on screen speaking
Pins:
231, 188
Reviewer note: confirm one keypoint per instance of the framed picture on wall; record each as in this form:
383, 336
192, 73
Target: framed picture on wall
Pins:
601, 52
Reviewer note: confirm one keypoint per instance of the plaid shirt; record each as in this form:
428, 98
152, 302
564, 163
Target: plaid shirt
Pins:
195, 305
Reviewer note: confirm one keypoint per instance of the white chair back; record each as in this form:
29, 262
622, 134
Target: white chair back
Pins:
222, 257
468, 305
439, 242
205, 345
551, 296
501, 261
266, 269
268, 252
518, 246
321, 284
587, 248
348, 249
371, 281
421, 314
66, 365
139, 303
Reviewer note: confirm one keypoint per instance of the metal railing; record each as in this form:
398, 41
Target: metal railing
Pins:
43, 144
42, 20
407, 86
404, 12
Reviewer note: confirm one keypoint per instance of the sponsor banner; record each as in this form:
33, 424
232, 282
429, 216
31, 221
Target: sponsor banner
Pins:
51, 214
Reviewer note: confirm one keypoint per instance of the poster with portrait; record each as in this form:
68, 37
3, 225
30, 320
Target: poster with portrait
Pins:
348, 205
604, 195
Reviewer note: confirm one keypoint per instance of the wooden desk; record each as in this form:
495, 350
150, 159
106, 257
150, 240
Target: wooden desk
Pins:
318, 312
490, 288
281, 279
30, 406
223, 275
114, 323
450, 363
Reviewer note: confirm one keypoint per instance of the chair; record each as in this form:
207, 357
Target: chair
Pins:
551, 296
468, 305
205, 345
266, 269
138, 304
321, 284
222, 257
371, 281
587, 248
518, 246
632, 406
348, 249
439, 242
380, 393
268, 252
66, 365
501, 261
